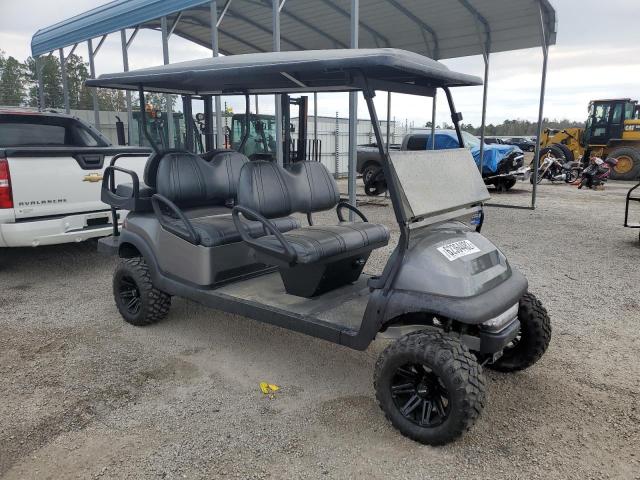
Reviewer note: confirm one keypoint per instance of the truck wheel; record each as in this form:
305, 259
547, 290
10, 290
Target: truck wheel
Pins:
376, 184
430, 387
532, 341
504, 185
628, 167
138, 301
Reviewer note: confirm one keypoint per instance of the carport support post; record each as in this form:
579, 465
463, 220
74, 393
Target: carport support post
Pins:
63, 73
276, 48
388, 118
125, 66
353, 114
39, 67
433, 122
215, 48
315, 116
94, 91
485, 57
168, 98
536, 154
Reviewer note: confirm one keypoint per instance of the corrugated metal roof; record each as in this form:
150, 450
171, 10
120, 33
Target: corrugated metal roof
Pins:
434, 28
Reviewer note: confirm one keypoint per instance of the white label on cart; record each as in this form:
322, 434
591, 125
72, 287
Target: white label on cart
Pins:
458, 249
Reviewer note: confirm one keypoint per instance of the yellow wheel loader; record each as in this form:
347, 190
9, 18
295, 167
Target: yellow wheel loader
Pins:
612, 130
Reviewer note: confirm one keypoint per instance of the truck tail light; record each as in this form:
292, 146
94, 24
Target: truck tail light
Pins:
6, 198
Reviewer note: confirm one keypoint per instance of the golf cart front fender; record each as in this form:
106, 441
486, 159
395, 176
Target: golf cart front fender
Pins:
451, 271
470, 310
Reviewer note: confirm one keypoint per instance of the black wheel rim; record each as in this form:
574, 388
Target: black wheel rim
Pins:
129, 295
368, 173
419, 395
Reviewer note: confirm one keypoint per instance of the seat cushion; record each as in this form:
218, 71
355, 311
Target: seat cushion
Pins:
126, 190
220, 230
316, 243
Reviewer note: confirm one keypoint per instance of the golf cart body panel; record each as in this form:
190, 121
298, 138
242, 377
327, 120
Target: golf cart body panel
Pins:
450, 251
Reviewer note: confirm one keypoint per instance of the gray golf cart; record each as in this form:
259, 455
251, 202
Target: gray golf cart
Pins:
218, 229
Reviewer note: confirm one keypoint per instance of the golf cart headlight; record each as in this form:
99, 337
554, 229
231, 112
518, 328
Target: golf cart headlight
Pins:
498, 322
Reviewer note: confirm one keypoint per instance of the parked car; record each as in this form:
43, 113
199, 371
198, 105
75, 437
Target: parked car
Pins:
502, 166
522, 143
493, 140
50, 177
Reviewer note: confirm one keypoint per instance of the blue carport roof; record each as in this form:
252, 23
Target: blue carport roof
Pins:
108, 18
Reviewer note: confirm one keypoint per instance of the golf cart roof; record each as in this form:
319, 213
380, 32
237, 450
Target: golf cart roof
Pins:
386, 69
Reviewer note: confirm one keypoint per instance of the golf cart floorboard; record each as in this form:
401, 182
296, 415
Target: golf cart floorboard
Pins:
329, 316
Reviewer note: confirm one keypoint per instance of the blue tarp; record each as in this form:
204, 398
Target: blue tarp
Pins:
493, 153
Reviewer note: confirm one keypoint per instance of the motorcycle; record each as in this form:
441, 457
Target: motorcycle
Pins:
555, 170
596, 174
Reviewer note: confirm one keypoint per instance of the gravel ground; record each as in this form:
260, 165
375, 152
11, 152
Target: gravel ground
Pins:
85, 395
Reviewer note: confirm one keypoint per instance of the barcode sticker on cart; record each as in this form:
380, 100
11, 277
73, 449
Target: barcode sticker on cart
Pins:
458, 249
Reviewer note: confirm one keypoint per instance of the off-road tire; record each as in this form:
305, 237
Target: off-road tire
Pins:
555, 150
154, 304
534, 338
566, 151
634, 155
456, 368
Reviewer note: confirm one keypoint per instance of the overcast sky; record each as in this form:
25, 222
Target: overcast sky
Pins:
596, 55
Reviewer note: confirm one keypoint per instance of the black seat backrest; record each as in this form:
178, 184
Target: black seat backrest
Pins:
189, 181
151, 169
208, 155
273, 191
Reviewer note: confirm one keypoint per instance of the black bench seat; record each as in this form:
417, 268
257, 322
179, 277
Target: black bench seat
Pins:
313, 259
203, 192
220, 230
316, 243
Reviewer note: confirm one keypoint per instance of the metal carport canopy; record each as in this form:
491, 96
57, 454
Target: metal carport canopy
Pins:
438, 29
434, 28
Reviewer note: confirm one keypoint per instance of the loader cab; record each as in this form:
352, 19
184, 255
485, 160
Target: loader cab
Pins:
254, 135
261, 138
606, 120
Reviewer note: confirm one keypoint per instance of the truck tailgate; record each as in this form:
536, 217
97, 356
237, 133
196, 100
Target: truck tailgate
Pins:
56, 185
